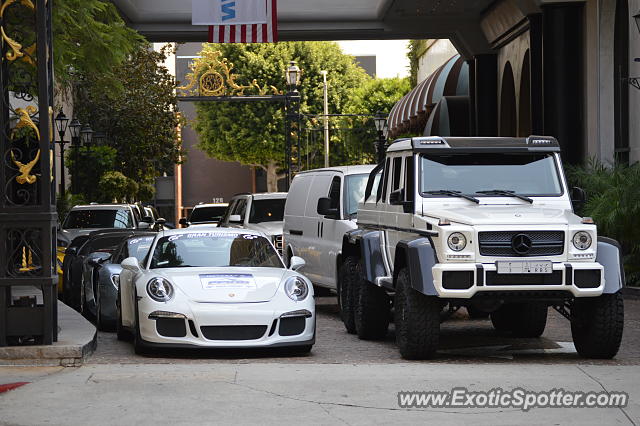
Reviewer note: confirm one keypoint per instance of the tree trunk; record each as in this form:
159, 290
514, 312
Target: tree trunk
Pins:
272, 176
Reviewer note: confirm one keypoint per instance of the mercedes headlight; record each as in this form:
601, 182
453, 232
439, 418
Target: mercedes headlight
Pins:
159, 289
457, 241
582, 240
296, 288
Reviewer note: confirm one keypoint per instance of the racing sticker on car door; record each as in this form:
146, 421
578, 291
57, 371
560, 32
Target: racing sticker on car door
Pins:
228, 281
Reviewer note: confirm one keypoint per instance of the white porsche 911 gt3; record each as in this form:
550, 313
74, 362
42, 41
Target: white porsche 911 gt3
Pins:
215, 288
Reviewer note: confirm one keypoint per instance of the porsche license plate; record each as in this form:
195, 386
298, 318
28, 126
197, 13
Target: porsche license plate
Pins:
524, 267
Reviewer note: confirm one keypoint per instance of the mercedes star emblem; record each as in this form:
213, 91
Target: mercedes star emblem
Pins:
521, 244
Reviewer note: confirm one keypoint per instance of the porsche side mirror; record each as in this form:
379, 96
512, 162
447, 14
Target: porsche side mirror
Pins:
98, 259
183, 222
131, 264
296, 263
71, 251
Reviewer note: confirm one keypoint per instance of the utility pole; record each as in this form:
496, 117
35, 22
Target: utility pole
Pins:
326, 119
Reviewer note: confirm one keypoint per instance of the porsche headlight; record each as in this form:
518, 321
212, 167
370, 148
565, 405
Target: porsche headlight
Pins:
582, 240
457, 241
296, 288
159, 289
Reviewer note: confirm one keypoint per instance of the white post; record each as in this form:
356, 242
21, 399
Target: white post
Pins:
326, 120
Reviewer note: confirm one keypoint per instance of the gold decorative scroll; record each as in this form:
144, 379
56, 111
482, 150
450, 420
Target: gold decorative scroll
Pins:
212, 76
24, 119
25, 175
16, 48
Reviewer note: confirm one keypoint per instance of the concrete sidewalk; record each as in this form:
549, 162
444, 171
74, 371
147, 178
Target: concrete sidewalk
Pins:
76, 340
311, 394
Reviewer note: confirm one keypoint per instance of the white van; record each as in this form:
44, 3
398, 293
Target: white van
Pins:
318, 238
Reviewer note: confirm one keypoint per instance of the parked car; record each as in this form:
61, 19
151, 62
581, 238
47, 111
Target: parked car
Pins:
205, 214
318, 237
215, 288
260, 212
83, 219
78, 265
104, 270
480, 222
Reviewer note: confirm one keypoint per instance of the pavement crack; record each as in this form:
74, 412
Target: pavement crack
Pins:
367, 407
608, 393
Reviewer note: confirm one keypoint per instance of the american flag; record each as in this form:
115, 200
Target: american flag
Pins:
248, 33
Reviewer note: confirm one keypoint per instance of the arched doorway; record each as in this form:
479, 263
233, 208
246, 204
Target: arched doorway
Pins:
508, 118
524, 110
620, 84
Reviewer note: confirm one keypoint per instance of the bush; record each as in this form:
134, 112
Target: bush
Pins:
116, 187
613, 201
66, 202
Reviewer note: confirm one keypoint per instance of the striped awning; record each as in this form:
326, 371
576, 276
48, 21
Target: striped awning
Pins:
410, 114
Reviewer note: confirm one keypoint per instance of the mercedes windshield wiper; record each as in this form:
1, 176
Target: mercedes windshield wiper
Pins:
506, 193
451, 193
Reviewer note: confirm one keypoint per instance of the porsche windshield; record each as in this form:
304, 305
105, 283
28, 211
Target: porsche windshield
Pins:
489, 174
214, 249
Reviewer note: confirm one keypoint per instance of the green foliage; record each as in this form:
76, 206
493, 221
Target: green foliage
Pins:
116, 187
92, 163
140, 120
253, 133
614, 203
416, 48
146, 192
375, 95
90, 38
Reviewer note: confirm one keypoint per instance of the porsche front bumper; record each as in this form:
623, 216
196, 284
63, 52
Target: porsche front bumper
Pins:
227, 325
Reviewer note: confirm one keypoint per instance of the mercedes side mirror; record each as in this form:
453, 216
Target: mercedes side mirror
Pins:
324, 208
296, 263
71, 251
235, 218
131, 264
578, 198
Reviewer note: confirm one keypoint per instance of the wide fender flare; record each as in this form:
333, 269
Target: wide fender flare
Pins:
610, 257
365, 245
419, 257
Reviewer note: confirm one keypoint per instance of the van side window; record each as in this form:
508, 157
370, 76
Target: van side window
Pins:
409, 187
334, 193
397, 168
385, 176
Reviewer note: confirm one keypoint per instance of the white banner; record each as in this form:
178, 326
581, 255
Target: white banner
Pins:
228, 12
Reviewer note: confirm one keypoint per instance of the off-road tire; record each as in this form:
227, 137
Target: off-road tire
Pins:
527, 319
372, 310
348, 279
417, 320
597, 324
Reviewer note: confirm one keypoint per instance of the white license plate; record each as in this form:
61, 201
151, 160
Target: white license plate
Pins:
524, 267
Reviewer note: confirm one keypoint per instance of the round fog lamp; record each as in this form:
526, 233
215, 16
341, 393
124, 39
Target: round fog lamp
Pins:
457, 241
582, 240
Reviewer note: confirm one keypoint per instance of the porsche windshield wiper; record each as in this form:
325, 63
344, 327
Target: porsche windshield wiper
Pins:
506, 193
452, 193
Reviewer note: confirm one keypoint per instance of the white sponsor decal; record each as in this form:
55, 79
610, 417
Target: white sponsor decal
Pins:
228, 281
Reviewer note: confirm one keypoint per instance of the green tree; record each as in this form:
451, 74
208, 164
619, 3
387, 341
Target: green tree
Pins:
139, 121
114, 186
90, 38
253, 133
87, 165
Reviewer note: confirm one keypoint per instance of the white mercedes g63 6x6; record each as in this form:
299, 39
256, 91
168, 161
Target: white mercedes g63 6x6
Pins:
485, 223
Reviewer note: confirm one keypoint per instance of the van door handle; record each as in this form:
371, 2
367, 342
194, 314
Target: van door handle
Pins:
322, 230
318, 230
295, 232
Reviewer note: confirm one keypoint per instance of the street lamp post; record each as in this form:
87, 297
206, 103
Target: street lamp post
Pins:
75, 145
61, 126
292, 109
380, 121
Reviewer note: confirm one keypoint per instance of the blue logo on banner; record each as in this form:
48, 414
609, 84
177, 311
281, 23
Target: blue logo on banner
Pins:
228, 10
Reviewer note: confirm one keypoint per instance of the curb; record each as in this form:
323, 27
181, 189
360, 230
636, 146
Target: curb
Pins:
77, 340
